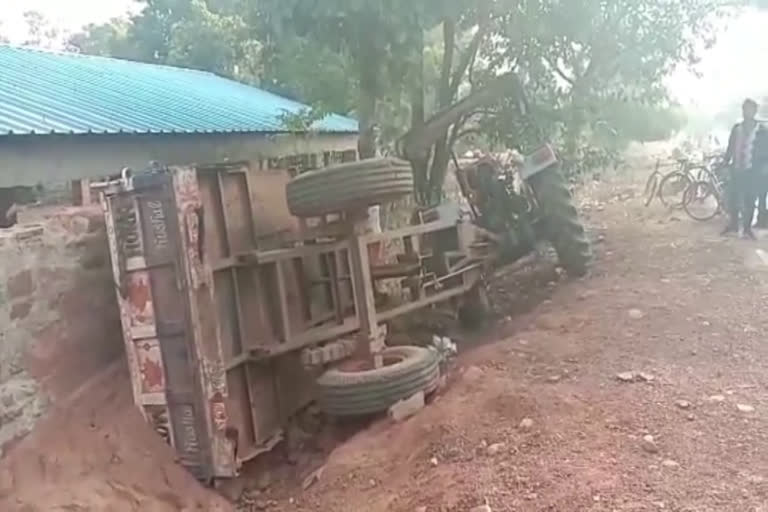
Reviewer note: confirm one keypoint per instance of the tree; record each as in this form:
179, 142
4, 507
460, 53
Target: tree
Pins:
387, 44
106, 39
231, 38
581, 58
40, 32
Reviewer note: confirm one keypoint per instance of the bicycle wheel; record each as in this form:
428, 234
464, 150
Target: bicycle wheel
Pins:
702, 173
701, 201
651, 188
672, 189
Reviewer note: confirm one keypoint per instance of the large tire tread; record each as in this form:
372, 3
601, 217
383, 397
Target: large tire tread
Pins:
358, 393
561, 219
354, 185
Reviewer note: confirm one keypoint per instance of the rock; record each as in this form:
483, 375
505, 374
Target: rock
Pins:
635, 314
683, 404
481, 508
495, 449
717, 398
669, 463
648, 444
522, 342
626, 376
433, 462
646, 377
745, 408
313, 478
690, 417
526, 424
404, 409
554, 378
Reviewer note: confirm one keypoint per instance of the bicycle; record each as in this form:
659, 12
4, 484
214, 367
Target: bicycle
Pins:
670, 187
703, 200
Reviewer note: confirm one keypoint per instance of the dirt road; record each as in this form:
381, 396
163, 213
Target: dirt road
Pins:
538, 419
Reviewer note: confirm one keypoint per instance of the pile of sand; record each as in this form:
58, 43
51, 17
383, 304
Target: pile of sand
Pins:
94, 452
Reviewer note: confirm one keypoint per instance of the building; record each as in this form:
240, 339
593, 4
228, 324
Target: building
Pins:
67, 116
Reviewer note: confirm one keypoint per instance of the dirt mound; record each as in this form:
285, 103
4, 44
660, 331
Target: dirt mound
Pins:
94, 452
436, 458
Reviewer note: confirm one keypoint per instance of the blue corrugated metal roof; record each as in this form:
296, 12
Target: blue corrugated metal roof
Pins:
45, 92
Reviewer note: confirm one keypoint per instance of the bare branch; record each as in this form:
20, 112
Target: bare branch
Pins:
559, 71
419, 138
468, 58
449, 38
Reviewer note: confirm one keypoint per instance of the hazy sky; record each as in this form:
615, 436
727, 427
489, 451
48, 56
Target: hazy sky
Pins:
69, 15
732, 69
727, 71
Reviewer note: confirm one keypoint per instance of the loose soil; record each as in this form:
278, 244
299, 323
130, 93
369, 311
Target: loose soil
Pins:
668, 298
95, 453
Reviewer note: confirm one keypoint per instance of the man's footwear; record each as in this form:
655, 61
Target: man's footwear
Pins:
728, 230
749, 235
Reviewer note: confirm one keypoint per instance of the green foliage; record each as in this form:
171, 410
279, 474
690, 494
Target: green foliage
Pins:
589, 64
105, 39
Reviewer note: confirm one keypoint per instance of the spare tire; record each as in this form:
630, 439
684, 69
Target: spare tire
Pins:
407, 370
350, 186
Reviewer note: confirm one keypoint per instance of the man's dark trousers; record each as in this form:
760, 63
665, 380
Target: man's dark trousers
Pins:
742, 192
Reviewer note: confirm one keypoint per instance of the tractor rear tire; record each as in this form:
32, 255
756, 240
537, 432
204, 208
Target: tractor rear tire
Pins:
561, 221
349, 392
350, 186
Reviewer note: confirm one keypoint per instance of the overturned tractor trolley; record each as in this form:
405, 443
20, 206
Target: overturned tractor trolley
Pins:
236, 314
247, 292
229, 320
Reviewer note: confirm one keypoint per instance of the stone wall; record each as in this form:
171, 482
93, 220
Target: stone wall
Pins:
59, 323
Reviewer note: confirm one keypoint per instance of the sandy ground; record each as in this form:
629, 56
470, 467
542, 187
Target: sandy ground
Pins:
94, 453
537, 418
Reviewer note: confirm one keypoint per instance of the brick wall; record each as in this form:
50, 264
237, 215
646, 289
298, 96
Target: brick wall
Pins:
59, 324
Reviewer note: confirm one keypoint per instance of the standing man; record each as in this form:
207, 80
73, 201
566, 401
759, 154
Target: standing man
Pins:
746, 155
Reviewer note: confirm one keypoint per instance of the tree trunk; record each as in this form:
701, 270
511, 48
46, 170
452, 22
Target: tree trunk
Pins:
419, 159
575, 125
421, 138
366, 143
441, 152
